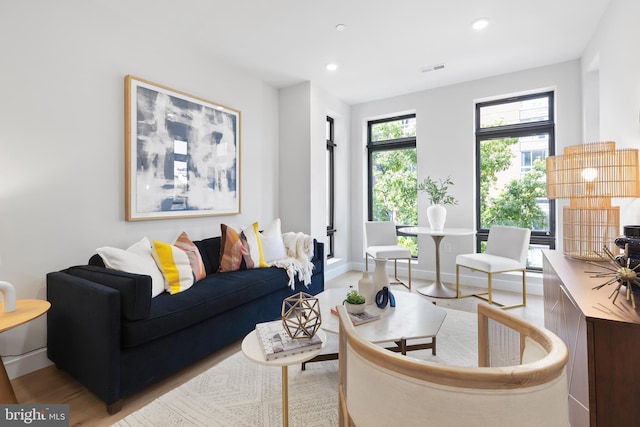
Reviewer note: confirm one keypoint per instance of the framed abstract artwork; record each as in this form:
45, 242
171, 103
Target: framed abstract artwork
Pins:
182, 154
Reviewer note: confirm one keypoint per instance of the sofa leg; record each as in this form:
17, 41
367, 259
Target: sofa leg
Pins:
114, 407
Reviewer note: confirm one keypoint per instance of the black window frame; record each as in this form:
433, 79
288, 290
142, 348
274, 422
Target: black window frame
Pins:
331, 181
388, 144
547, 238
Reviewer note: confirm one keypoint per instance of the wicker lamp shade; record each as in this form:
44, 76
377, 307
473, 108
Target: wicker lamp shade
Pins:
590, 175
301, 315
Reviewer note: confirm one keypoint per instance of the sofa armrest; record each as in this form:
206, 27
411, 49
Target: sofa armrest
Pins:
318, 253
134, 289
83, 332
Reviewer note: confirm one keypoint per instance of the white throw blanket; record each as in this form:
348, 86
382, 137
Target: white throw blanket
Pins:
299, 248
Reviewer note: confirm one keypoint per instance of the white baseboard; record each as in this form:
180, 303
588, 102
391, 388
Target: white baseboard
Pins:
23, 364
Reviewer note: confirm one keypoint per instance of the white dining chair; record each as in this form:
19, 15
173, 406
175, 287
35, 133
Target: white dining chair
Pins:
506, 251
382, 242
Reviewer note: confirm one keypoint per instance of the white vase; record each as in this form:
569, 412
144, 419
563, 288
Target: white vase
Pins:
380, 277
365, 288
437, 215
8, 293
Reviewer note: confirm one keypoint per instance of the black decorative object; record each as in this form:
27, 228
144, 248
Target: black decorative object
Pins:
385, 297
630, 244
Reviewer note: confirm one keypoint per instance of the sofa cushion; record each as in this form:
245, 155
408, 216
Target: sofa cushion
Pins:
135, 289
215, 294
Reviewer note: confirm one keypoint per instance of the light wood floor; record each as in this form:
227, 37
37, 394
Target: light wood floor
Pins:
50, 385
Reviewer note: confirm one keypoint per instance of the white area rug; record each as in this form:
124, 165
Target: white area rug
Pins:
238, 392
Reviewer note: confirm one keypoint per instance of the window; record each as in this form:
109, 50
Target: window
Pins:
392, 174
331, 228
514, 136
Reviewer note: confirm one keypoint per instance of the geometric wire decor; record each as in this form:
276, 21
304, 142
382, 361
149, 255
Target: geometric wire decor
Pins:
301, 315
589, 175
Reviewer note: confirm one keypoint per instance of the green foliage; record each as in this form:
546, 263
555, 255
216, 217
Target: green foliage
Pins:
354, 297
438, 191
394, 178
495, 155
516, 204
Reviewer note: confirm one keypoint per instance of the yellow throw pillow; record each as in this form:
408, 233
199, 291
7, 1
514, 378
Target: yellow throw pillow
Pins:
252, 235
174, 264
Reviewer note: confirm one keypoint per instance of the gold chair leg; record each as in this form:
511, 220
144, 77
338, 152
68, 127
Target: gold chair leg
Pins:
490, 276
524, 287
395, 274
458, 294
489, 293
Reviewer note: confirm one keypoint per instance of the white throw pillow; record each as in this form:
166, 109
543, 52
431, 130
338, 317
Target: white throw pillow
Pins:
137, 259
272, 242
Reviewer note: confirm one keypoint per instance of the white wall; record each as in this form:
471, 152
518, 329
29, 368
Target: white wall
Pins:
62, 141
445, 138
614, 48
303, 177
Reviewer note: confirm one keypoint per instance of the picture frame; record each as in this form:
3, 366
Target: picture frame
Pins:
182, 154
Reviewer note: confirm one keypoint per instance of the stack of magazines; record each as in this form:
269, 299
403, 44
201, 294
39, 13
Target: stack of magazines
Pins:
276, 342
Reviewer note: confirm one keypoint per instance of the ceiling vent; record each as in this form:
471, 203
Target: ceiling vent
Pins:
432, 68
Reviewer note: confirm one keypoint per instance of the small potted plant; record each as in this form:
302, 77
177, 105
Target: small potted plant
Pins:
355, 303
438, 193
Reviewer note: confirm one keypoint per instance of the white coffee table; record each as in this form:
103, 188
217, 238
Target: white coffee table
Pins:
413, 318
251, 349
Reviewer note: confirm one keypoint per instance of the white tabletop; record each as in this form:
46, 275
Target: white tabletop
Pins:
413, 317
445, 232
251, 349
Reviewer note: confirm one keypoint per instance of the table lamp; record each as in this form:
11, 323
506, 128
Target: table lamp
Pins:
589, 175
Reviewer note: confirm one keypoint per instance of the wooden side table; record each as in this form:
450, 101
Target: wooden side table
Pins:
26, 310
251, 349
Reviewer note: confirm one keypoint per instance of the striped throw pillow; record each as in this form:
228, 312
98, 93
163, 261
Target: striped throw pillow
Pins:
195, 259
174, 265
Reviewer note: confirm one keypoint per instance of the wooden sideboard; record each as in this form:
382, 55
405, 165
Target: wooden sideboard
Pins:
603, 340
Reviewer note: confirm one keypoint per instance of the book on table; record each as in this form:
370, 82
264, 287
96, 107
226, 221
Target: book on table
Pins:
360, 318
276, 342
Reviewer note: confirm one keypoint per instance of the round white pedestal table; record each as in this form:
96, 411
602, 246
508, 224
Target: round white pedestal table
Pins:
437, 289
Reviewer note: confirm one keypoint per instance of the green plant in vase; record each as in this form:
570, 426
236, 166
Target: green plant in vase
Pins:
438, 194
354, 302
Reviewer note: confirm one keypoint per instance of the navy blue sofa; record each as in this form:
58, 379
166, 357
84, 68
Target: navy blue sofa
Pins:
105, 330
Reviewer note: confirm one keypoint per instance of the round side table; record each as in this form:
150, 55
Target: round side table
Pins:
26, 310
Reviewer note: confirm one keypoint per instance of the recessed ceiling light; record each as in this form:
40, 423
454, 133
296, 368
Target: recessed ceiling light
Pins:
341, 27
332, 67
480, 24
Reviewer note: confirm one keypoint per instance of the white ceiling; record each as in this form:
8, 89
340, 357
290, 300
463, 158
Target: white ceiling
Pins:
385, 44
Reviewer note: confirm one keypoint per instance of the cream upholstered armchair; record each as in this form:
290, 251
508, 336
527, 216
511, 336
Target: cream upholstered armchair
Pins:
382, 242
381, 388
507, 249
